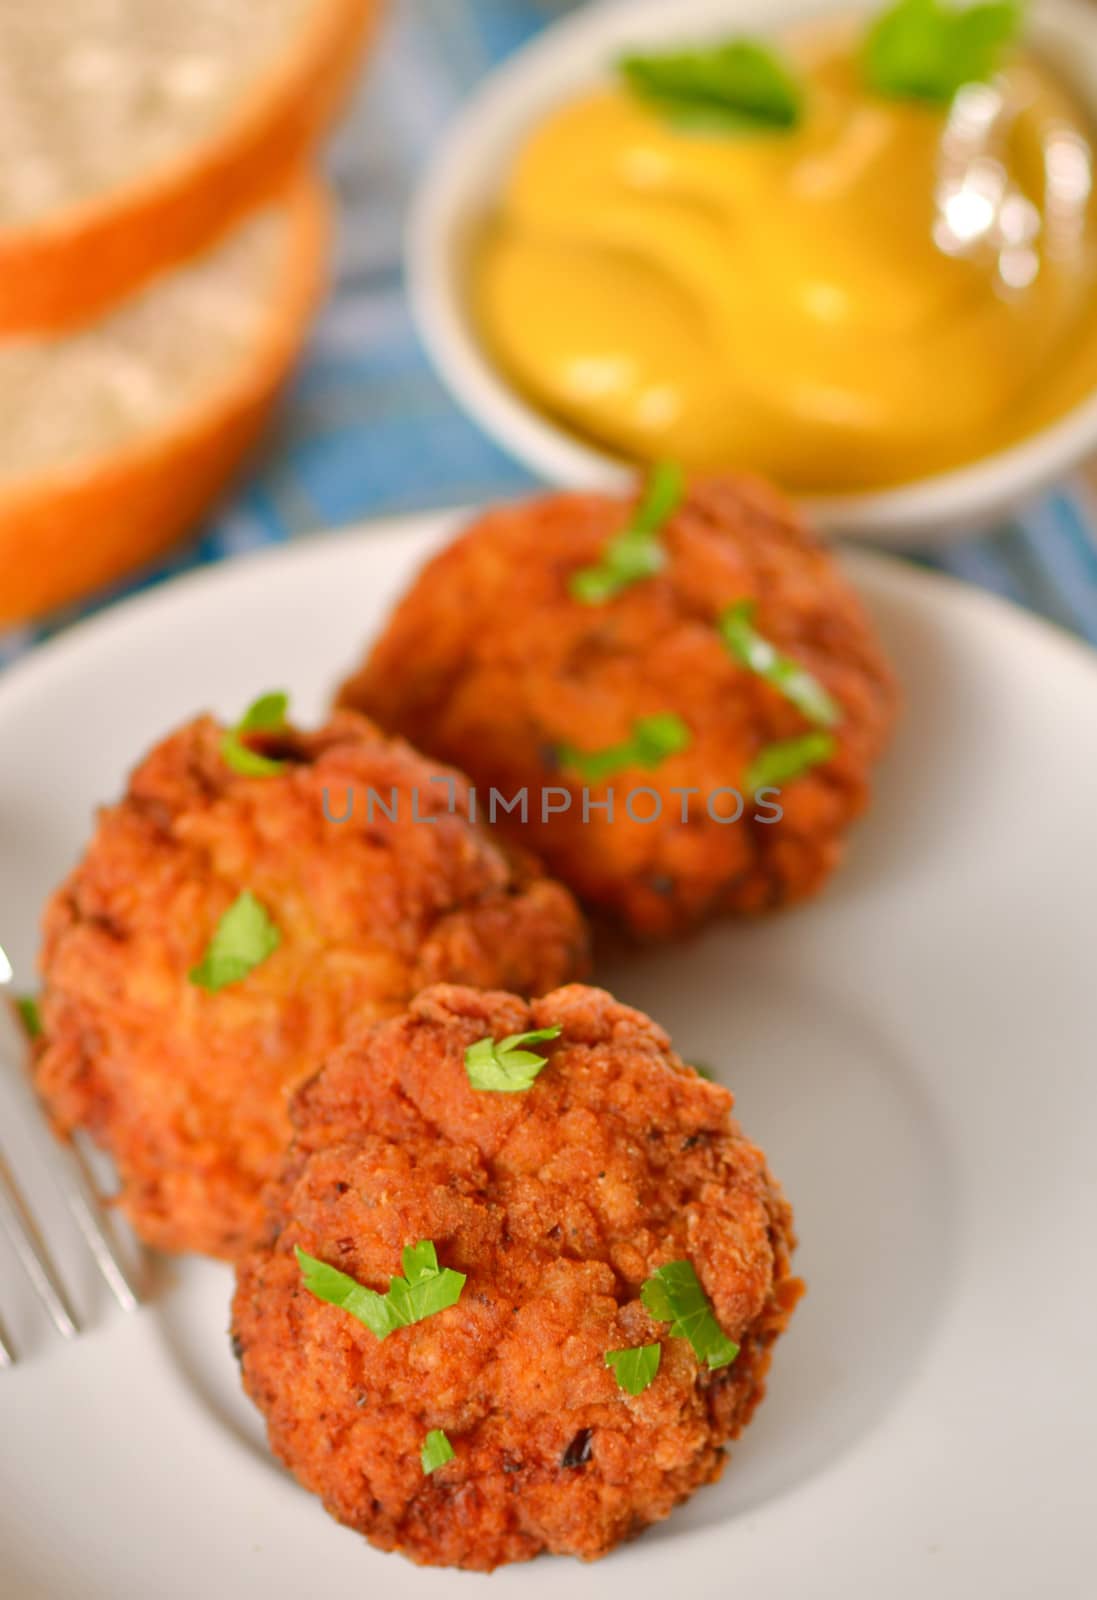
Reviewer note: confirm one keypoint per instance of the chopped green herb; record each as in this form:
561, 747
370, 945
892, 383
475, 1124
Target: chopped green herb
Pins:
674, 1294
702, 1070
635, 553
424, 1290
787, 759
242, 941
247, 762
635, 1369
29, 1015
339, 1289
740, 86
755, 652
265, 715
656, 737
653, 739
436, 1451
928, 49
504, 1067
595, 764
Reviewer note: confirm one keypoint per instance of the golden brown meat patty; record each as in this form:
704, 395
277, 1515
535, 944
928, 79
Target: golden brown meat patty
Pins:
491, 661
186, 1083
558, 1203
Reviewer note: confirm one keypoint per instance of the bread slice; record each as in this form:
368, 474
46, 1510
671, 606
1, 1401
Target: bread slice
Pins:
115, 438
134, 132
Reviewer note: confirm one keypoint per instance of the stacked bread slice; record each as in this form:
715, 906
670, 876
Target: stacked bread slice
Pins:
161, 253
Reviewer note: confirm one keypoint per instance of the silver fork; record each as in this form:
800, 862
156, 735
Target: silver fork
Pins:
73, 1178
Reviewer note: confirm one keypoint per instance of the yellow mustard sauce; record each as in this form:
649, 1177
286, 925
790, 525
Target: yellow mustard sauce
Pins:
889, 289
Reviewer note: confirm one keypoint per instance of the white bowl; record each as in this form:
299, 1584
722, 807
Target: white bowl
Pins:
463, 182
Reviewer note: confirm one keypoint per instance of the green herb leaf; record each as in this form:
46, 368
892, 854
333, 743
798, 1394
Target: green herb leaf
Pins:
660, 500
242, 941
420, 1261
635, 1369
626, 561
338, 1289
656, 737
740, 86
635, 553
787, 759
928, 49
436, 1451
653, 739
595, 764
755, 652
702, 1070
265, 715
425, 1289
503, 1067
27, 1008
674, 1294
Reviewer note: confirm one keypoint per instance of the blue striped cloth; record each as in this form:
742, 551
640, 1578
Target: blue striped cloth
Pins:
367, 430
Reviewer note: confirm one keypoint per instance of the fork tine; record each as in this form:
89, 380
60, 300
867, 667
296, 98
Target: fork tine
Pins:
19, 1225
74, 1179
7, 1354
76, 1184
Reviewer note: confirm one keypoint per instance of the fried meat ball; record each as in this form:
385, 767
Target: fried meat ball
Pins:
490, 661
557, 1203
188, 1089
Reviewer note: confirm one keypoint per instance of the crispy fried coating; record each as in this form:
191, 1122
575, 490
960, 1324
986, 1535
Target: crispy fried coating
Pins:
490, 661
557, 1203
188, 1090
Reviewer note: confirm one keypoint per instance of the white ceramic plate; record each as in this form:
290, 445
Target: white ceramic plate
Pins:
915, 1050
463, 182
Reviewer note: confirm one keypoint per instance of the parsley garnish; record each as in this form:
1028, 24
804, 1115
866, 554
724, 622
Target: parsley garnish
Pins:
736, 87
703, 1070
653, 739
265, 715
242, 941
29, 1015
755, 652
436, 1451
927, 49
636, 552
674, 1294
787, 759
424, 1290
635, 1369
503, 1067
